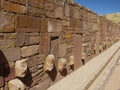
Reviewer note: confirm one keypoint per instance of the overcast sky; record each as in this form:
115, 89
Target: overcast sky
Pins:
101, 6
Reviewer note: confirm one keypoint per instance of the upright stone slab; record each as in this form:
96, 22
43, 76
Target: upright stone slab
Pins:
77, 51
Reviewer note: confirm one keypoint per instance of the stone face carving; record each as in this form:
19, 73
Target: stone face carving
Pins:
21, 68
49, 62
62, 64
16, 84
71, 60
83, 56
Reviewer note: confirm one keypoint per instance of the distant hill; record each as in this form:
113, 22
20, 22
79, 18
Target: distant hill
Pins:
115, 17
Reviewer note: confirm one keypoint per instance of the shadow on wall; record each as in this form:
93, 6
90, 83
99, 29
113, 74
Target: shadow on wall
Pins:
27, 80
4, 68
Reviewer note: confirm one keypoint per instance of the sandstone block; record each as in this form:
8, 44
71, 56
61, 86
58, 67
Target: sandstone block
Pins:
35, 3
30, 50
21, 68
12, 7
35, 60
49, 62
34, 11
62, 50
20, 39
59, 12
34, 40
67, 10
51, 25
58, 27
49, 6
44, 24
44, 43
27, 23
16, 84
7, 43
12, 54
6, 22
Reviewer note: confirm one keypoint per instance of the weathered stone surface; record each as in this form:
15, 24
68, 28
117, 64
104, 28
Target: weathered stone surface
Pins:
21, 68
16, 84
51, 25
58, 27
67, 10
77, 51
59, 12
33, 69
49, 62
35, 60
12, 54
34, 40
35, 3
12, 7
49, 6
34, 11
7, 43
30, 50
62, 50
44, 85
62, 64
44, 43
44, 24
27, 23
6, 22
20, 39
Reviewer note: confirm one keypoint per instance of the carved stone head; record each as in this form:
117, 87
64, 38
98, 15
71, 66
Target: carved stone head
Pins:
62, 64
49, 62
16, 84
71, 60
20, 68
83, 56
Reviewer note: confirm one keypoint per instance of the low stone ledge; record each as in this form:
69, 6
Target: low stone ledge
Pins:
84, 76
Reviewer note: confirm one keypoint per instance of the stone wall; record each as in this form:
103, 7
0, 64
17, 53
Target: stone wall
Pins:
33, 30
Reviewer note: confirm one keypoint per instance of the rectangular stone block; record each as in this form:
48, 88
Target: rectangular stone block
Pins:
35, 60
62, 50
11, 54
75, 23
67, 10
77, 51
44, 43
12, 7
30, 50
44, 24
20, 39
35, 3
27, 23
59, 12
34, 11
75, 12
6, 22
34, 40
7, 43
49, 6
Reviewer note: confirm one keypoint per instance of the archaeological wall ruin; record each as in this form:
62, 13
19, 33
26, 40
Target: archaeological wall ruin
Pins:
42, 41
